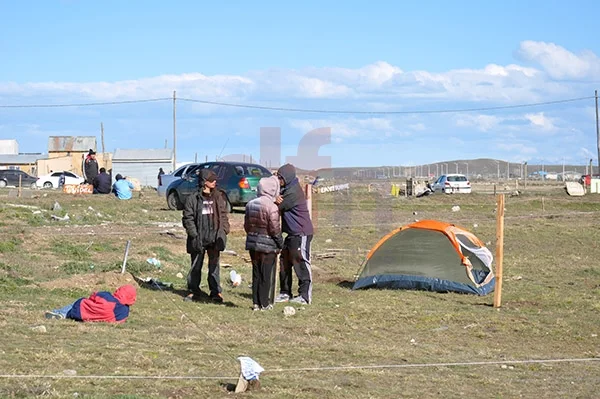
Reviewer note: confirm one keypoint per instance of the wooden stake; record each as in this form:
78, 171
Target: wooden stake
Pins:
20, 188
499, 249
125, 257
543, 205
308, 196
102, 142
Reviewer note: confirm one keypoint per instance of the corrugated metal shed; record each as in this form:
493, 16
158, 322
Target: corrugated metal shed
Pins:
71, 143
142, 164
161, 154
9, 147
25, 159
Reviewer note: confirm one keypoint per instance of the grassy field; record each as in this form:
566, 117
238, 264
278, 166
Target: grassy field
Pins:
551, 304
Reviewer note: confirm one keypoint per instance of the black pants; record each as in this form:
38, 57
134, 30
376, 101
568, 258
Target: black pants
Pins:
263, 277
214, 280
296, 255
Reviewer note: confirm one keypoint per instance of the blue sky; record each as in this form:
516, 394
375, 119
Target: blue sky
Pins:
367, 56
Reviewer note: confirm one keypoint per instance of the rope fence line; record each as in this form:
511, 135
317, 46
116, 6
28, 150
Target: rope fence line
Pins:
305, 369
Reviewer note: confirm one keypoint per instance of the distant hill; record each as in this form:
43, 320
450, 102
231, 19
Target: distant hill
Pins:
485, 168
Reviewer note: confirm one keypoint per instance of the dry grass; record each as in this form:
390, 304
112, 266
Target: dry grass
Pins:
550, 305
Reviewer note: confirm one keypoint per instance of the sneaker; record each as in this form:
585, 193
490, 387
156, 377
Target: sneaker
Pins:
282, 297
299, 300
268, 307
217, 298
255, 307
54, 315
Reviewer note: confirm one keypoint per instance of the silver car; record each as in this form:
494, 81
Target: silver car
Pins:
180, 173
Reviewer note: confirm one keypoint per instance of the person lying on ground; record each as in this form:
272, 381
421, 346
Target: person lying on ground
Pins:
100, 306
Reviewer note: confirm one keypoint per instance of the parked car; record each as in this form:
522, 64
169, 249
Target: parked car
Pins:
238, 179
452, 183
51, 180
10, 177
180, 173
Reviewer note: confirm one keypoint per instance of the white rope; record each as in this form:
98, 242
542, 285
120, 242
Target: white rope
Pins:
413, 365
117, 377
327, 368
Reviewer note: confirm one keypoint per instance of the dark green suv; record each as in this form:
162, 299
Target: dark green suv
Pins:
238, 179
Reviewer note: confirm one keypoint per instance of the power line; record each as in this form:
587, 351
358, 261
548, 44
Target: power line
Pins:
304, 110
442, 111
85, 104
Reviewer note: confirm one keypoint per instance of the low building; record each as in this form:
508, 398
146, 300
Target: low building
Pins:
25, 162
142, 164
68, 153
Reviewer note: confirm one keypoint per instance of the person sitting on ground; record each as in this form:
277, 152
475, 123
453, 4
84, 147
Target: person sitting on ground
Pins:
122, 188
102, 183
100, 306
263, 240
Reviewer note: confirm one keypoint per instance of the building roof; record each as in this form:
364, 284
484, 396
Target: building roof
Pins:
71, 143
21, 159
161, 154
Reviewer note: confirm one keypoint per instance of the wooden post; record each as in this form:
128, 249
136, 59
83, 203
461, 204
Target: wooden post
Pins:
499, 249
494, 190
102, 142
543, 205
20, 188
308, 196
125, 256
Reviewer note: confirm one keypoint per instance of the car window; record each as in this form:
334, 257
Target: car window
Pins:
56, 174
220, 170
179, 172
192, 170
252, 170
69, 174
457, 178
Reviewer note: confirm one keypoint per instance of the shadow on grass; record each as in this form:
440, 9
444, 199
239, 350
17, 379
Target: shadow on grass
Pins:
228, 386
346, 284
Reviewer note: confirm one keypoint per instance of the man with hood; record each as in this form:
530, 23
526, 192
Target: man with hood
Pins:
263, 240
206, 221
100, 306
296, 223
90, 167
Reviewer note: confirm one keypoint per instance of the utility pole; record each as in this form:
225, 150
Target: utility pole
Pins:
597, 131
102, 141
508, 170
165, 143
174, 129
498, 170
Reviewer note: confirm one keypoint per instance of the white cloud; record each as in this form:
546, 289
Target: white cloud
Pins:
417, 127
539, 120
347, 128
559, 62
518, 148
483, 123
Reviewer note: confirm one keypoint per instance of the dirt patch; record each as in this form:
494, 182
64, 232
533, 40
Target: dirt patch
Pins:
111, 279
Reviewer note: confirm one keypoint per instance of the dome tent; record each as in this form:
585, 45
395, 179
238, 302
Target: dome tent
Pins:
429, 255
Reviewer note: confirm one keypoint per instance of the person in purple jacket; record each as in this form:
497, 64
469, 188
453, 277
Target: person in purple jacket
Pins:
297, 225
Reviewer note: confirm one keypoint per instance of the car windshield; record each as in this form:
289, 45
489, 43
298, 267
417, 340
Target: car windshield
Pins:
457, 178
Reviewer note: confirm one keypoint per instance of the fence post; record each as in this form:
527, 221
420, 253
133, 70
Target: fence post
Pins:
499, 250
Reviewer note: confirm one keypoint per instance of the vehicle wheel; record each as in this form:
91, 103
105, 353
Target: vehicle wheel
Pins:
173, 201
2, 183
48, 184
33, 186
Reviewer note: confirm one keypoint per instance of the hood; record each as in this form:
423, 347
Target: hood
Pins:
268, 187
126, 294
287, 172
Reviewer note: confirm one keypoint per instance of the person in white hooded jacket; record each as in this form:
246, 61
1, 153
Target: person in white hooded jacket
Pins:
264, 240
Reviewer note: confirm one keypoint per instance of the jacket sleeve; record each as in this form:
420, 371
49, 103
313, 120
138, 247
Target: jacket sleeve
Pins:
274, 227
188, 219
289, 200
246, 220
223, 213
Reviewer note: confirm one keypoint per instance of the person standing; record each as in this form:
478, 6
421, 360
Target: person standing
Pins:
160, 173
263, 240
206, 221
297, 225
90, 168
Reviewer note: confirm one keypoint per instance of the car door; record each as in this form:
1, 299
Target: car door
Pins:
70, 178
11, 178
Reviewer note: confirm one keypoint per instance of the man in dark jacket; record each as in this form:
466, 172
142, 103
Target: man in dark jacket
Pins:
299, 229
263, 240
206, 221
90, 167
102, 183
